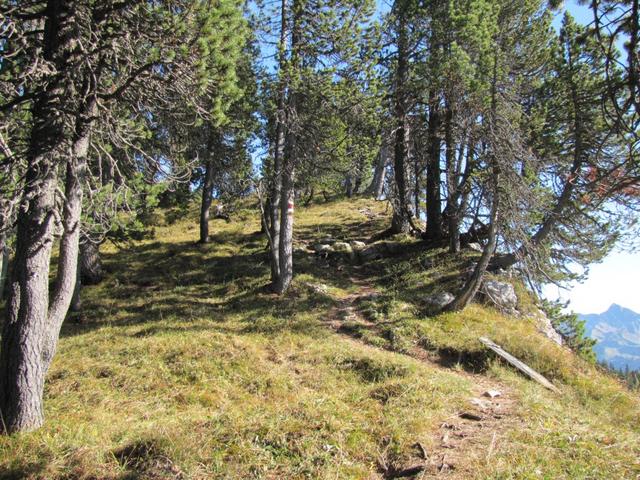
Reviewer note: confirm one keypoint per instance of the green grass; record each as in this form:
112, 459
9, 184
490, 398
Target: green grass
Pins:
183, 364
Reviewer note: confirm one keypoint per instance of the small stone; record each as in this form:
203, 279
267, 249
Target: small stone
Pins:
492, 393
439, 300
342, 247
476, 247
482, 404
358, 245
322, 248
318, 288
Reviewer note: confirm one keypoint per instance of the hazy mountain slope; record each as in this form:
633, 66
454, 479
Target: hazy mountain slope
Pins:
618, 334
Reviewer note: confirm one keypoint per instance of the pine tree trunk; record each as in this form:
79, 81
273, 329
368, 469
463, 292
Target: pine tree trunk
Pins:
286, 231
348, 186
471, 287
400, 221
32, 326
376, 187
452, 209
76, 299
287, 195
278, 154
21, 368
207, 192
90, 263
4, 265
434, 209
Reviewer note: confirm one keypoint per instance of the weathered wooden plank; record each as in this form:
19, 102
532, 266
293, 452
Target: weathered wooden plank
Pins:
523, 367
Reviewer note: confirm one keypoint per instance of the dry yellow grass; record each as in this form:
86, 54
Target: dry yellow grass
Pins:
181, 366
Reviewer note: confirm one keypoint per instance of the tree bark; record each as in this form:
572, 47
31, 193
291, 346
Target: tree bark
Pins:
4, 265
472, 285
76, 299
287, 195
207, 192
400, 221
32, 325
434, 209
90, 263
278, 154
452, 185
376, 187
22, 368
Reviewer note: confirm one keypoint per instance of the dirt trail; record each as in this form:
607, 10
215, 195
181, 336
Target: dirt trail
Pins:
463, 440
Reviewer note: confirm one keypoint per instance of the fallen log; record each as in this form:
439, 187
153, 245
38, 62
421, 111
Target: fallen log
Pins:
523, 367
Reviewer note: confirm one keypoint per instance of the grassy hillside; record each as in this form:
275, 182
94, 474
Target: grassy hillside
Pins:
182, 365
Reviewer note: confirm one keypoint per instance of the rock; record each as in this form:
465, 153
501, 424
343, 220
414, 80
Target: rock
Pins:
320, 288
492, 393
501, 294
358, 245
322, 248
545, 326
476, 247
370, 253
342, 247
480, 403
394, 247
439, 300
327, 240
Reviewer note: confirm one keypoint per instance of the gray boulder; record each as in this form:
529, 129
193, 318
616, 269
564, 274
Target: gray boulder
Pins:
372, 252
345, 249
394, 247
500, 294
543, 323
342, 247
322, 248
439, 300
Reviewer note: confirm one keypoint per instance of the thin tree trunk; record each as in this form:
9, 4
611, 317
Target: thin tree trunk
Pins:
76, 299
287, 195
4, 264
348, 186
471, 287
400, 221
90, 264
376, 187
434, 209
207, 192
452, 186
278, 154
286, 230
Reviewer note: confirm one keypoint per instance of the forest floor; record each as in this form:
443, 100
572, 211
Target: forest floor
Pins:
181, 365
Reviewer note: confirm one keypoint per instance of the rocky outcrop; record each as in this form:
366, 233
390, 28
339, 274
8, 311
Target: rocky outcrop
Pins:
500, 294
544, 326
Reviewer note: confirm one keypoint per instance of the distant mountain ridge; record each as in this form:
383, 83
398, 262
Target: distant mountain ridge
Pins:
618, 334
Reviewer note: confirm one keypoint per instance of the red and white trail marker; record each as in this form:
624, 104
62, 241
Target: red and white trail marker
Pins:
290, 208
